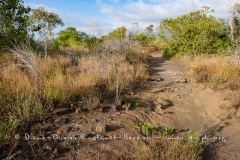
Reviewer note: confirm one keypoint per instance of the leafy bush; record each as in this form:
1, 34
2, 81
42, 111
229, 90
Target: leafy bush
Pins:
69, 37
142, 38
195, 33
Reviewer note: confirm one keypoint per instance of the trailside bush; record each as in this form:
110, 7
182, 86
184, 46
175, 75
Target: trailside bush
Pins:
195, 33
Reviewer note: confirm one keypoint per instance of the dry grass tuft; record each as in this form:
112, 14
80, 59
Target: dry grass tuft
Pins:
177, 150
214, 70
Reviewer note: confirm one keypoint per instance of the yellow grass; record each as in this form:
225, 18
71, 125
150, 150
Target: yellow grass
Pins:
213, 69
61, 81
25, 95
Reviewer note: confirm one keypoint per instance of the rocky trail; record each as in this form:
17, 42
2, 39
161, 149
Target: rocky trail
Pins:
108, 131
214, 113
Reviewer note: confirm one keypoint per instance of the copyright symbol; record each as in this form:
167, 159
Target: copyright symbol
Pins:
17, 136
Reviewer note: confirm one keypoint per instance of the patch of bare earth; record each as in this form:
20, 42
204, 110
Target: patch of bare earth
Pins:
108, 132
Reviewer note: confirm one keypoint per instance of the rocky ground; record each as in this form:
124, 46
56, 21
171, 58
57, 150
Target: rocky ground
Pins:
170, 97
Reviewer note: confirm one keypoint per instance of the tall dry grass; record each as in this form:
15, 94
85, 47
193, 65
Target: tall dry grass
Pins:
31, 86
33, 79
214, 70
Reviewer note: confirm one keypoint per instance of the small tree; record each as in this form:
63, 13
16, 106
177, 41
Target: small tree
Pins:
70, 36
44, 22
118, 33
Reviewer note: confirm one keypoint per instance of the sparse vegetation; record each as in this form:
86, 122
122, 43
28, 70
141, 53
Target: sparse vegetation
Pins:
130, 101
81, 69
34, 85
163, 149
145, 128
186, 148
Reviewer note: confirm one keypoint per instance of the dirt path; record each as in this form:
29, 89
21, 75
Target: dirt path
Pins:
198, 108
105, 132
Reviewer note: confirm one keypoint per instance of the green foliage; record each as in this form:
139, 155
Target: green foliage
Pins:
195, 33
70, 37
13, 22
142, 127
164, 131
44, 22
158, 110
145, 39
131, 101
145, 128
142, 38
6, 129
26, 108
193, 137
91, 43
118, 33
216, 79
167, 130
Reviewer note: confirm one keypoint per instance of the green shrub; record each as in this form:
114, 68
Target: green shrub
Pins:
69, 37
142, 38
26, 107
195, 33
6, 130
91, 43
145, 128
142, 127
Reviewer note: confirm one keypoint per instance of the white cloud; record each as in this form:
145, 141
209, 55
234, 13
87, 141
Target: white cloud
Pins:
50, 9
152, 12
115, 13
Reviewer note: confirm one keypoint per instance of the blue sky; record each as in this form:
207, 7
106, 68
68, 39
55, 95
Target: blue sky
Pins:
107, 15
